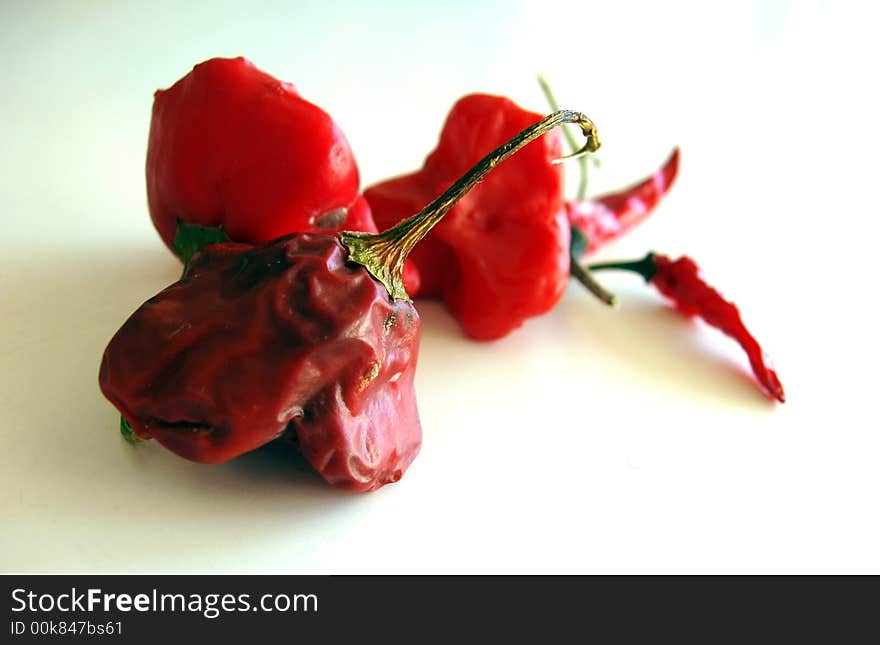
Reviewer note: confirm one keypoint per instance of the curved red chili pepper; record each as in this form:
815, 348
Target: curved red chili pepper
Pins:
682, 282
603, 218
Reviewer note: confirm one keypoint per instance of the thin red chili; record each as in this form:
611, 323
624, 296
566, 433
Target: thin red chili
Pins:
682, 282
598, 220
606, 217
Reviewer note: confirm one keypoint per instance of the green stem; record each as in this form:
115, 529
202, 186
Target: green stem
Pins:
383, 254
569, 137
127, 431
645, 267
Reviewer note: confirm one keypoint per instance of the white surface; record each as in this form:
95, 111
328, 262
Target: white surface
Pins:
588, 441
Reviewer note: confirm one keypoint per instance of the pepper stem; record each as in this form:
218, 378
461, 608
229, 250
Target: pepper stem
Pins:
383, 254
645, 267
579, 243
586, 278
569, 138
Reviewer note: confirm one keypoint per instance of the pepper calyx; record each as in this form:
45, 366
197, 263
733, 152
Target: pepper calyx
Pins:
128, 432
645, 267
192, 238
382, 258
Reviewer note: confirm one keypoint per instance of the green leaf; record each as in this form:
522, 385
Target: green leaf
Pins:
192, 238
127, 431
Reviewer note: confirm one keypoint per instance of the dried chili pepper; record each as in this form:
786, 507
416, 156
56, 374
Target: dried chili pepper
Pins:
309, 336
257, 341
681, 281
235, 154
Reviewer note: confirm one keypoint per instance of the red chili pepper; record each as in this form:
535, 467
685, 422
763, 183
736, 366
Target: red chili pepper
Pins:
233, 147
310, 336
256, 342
497, 259
603, 218
502, 254
681, 281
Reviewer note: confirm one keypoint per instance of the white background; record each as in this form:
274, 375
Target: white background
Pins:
590, 440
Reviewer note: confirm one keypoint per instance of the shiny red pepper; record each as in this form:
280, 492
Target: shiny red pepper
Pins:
498, 258
309, 336
606, 217
234, 148
501, 256
681, 281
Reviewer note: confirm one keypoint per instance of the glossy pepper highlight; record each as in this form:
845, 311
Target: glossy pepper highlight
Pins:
308, 336
682, 282
235, 149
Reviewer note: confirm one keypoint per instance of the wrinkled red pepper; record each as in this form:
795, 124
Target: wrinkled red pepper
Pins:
234, 148
681, 281
256, 342
311, 336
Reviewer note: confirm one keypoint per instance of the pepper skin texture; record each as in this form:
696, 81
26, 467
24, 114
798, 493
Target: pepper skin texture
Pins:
234, 147
286, 338
609, 216
501, 255
681, 281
